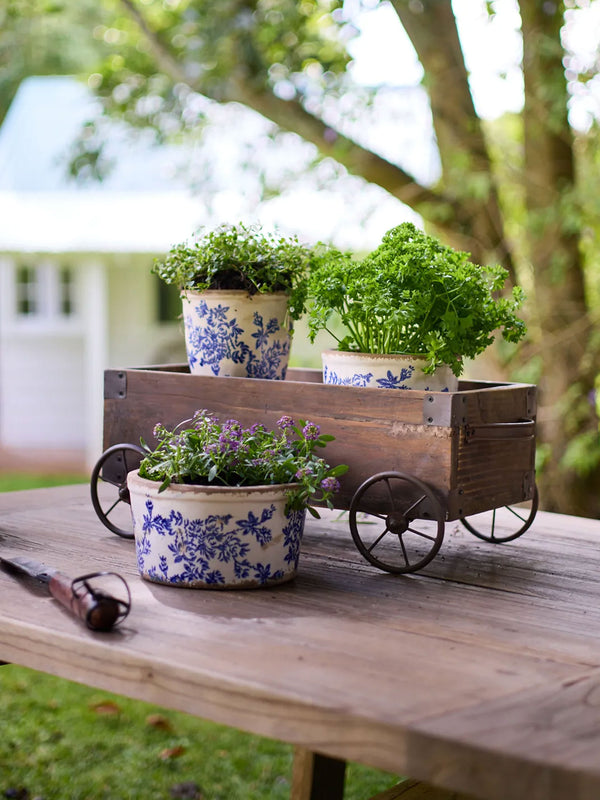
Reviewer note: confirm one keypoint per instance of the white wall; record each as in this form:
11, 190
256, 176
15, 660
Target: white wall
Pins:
42, 360
42, 393
135, 336
52, 368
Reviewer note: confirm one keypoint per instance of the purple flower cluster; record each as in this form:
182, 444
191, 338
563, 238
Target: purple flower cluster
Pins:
311, 431
285, 422
226, 453
330, 485
304, 472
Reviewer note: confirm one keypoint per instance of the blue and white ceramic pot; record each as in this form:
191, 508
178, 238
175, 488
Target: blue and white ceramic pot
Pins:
214, 537
374, 371
232, 333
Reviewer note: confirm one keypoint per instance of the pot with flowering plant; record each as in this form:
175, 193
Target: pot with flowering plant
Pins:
219, 505
412, 311
241, 289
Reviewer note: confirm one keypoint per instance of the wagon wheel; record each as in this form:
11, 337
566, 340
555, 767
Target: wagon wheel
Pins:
491, 526
111, 470
397, 522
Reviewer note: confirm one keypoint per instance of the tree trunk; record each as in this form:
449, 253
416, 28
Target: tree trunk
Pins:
569, 358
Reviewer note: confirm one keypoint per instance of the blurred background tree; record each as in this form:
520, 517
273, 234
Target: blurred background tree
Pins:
45, 37
519, 191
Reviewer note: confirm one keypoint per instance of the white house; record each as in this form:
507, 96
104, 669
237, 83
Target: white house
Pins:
76, 291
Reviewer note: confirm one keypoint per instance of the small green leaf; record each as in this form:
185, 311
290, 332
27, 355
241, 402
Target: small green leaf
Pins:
341, 469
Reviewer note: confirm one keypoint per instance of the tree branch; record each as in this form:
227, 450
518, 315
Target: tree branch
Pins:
169, 65
292, 116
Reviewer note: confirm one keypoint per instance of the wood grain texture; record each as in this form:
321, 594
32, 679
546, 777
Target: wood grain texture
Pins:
413, 432
480, 674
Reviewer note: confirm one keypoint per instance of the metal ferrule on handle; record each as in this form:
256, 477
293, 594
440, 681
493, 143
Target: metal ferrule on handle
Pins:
99, 611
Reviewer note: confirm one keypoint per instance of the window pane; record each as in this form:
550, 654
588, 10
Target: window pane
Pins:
66, 292
168, 302
27, 291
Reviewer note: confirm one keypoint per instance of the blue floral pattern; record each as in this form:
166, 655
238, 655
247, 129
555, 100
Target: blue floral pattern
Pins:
392, 381
216, 550
389, 381
213, 338
358, 379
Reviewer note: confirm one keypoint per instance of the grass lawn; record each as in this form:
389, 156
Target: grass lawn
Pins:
63, 741
15, 481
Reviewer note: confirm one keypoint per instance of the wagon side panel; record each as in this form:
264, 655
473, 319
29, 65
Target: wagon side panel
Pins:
494, 457
374, 430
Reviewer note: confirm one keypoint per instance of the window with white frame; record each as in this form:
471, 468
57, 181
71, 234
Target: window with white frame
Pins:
45, 290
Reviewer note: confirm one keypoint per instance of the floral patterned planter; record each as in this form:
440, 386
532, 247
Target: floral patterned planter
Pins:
235, 334
219, 537
384, 372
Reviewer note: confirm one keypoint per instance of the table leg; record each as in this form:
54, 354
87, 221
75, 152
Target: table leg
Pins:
317, 777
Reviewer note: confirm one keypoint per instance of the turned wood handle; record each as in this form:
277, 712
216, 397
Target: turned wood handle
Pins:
99, 612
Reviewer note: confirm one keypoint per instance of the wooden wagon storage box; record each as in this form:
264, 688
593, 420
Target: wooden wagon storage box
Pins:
458, 453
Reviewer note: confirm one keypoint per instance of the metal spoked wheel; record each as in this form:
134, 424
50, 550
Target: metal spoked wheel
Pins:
498, 525
397, 522
110, 473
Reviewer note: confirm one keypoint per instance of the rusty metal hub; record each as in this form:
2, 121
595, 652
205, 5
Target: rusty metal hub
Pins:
397, 523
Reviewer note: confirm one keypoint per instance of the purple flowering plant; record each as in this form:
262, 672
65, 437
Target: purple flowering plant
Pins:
204, 451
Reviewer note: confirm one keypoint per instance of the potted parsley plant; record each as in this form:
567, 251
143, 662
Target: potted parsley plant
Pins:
219, 505
410, 312
241, 289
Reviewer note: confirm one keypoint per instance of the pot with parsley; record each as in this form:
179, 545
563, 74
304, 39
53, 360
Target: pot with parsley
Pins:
410, 312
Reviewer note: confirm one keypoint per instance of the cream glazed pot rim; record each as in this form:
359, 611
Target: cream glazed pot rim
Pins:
231, 293
375, 356
195, 488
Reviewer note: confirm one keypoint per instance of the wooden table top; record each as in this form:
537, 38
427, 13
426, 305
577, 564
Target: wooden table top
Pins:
481, 673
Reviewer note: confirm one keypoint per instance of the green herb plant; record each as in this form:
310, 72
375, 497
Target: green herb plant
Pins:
413, 295
204, 451
240, 257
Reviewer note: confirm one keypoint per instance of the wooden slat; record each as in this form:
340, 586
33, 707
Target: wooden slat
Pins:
498, 403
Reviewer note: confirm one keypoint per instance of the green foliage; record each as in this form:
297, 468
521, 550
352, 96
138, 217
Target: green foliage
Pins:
64, 741
582, 454
413, 295
296, 49
241, 257
16, 481
226, 454
45, 37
